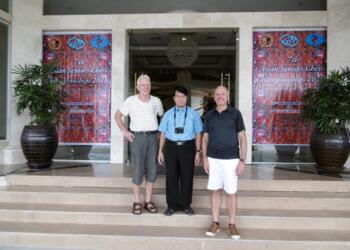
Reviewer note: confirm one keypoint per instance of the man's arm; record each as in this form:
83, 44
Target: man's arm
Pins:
205, 140
243, 150
118, 118
160, 111
160, 150
198, 149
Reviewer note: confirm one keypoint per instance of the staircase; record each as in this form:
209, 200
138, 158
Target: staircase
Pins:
85, 212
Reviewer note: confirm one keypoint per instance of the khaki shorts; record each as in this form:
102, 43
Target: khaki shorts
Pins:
222, 174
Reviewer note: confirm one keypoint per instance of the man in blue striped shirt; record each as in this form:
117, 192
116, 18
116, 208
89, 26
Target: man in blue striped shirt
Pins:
180, 129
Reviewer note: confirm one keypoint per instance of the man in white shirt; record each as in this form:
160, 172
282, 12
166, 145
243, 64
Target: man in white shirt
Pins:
143, 137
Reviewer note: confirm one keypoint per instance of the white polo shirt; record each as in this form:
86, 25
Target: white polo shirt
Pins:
143, 115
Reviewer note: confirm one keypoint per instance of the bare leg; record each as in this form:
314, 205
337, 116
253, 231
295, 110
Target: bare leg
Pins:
149, 191
232, 207
216, 204
136, 189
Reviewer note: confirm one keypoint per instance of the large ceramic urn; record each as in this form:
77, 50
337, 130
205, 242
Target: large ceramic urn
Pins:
330, 151
39, 145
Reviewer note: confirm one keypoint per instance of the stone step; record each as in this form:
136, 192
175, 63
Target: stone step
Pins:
201, 198
108, 237
2, 247
200, 182
121, 215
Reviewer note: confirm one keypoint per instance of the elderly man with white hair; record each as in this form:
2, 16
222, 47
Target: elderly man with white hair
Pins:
143, 110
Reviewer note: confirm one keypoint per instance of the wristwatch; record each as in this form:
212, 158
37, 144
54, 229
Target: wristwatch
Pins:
198, 150
242, 160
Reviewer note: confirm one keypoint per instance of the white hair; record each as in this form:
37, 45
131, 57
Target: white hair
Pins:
142, 78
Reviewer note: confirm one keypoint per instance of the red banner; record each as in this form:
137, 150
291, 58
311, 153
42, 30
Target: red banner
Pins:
85, 71
285, 64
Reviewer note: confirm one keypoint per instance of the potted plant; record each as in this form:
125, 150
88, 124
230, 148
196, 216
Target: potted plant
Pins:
37, 90
328, 107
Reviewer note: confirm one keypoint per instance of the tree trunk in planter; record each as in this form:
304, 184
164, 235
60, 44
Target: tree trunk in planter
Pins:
330, 151
39, 145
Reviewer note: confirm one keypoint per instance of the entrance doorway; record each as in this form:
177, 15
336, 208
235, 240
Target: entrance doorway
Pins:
198, 59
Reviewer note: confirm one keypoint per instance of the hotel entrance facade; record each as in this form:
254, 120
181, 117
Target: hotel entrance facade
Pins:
265, 52
224, 46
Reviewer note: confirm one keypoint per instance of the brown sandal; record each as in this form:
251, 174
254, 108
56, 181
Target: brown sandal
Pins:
137, 208
150, 207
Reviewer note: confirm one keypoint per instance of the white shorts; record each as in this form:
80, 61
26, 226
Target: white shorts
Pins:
222, 175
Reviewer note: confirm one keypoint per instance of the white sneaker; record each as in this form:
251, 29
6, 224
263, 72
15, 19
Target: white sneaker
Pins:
213, 229
233, 232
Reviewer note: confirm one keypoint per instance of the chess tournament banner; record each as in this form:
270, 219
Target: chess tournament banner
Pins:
285, 64
84, 60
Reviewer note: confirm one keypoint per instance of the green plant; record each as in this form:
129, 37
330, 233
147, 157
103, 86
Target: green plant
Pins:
37, 89
328, 106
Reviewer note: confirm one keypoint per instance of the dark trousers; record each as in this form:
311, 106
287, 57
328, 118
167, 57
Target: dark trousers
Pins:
179, 162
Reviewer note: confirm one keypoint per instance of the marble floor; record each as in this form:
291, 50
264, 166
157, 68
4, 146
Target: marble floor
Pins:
255, 171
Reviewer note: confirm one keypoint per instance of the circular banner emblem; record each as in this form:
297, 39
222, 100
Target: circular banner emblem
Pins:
76, 43
288, 40
266, 41
315, 39
99, 42
55, 43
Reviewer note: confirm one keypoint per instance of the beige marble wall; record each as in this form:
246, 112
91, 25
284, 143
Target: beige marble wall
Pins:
3, 145
338, 33
28, 24
338, 36
25, 48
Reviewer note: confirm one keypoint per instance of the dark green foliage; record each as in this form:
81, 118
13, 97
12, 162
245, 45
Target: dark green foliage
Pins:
329, 105
37, 89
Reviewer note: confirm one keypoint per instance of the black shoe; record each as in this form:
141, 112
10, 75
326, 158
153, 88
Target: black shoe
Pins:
188, 211
169, 211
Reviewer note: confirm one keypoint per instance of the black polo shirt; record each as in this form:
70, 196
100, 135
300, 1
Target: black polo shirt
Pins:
223, 129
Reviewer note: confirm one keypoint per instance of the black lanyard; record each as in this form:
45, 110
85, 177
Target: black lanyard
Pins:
175, 117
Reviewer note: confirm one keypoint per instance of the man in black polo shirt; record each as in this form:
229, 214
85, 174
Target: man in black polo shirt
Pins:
224, 147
